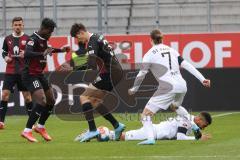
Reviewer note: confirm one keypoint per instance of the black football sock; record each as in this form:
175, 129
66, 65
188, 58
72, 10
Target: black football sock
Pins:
46, 112
36, 113
3, 110
108, 116
88, 113
29, 107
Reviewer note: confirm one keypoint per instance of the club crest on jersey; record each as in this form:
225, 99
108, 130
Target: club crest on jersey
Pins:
30, 43
24, 42
100, 38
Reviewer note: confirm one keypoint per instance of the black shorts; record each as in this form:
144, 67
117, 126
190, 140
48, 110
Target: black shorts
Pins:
35, 82
106, 81
103, 82
11, 80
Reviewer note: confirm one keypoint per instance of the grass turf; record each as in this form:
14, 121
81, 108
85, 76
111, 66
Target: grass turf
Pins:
225, 143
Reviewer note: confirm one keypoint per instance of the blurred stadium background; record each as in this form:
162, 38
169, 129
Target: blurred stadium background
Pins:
206, 32
126, 16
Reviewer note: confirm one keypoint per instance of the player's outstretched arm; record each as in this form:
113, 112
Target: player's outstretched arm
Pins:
64, 49
190, 68
138, 81
141, 75
182, 136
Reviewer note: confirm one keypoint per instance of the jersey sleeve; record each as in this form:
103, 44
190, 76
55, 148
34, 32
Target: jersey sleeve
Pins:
104, 45
4, 48
190, 68
182, 136
29, 51
145, 66
183, 124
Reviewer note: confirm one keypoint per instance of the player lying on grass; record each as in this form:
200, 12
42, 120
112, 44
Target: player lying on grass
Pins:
178, 128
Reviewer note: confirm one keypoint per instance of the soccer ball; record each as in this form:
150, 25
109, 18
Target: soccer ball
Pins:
104, 134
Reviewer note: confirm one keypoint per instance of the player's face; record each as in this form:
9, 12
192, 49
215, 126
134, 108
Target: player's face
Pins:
47, 33
18, 27
82, 36
201, 122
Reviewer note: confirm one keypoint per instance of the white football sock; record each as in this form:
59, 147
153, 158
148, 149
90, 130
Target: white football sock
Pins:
148, 127
40, 126
27, 130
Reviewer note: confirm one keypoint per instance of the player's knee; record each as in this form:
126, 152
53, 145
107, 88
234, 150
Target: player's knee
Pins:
51, 101
41, 100
27, 98
84, 99
5, 95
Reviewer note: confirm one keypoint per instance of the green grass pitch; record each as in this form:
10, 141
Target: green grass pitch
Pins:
225, 144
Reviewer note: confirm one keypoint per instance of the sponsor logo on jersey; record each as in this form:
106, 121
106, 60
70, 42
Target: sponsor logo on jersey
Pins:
30, 43
23, 42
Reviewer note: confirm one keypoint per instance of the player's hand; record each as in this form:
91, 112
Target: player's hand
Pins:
65, 67
207, 83
21, 53
66, 49
131, 92
8, 59
205, 137
48, 51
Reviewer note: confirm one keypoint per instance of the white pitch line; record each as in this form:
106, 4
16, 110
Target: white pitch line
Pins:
122, 157
224, 114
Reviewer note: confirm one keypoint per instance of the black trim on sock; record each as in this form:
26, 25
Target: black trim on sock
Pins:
46, 112
88, 113
3, 110
29, 107
108, 116
36, 113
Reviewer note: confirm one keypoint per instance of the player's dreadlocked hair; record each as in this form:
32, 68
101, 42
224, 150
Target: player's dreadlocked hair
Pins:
156, 36
76, 27
48, 23
207, 117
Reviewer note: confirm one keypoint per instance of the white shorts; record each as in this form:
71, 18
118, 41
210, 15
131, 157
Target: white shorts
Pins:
162, 102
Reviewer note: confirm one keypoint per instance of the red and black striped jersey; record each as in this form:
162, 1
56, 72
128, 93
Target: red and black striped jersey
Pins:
11, 47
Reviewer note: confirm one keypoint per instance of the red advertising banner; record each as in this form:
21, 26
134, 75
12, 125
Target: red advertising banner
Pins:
210, 50
216, 50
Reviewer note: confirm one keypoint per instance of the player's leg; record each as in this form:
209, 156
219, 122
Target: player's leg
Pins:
3, 107
47, 110
26, 95
87, 109
88, 113
132, 135
28, 101
146, 119
35, 87
103, 87
156, 103
176, 105
49, 107
40, 102
8, 84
